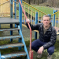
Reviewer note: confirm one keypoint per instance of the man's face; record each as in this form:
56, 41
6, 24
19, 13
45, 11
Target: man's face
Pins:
46, 21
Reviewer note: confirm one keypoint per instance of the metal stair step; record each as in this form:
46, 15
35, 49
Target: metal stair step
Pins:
10, 29
11, 45
8, 37
8, 21
12, 55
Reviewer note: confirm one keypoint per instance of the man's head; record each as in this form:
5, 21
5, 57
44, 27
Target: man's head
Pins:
46, 20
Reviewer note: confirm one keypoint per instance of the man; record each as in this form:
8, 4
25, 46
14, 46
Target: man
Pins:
47, 37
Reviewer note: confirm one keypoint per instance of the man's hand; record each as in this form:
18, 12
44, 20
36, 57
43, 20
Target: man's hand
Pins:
40, 50
27, 20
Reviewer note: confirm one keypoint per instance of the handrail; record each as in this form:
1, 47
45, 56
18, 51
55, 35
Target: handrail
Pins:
55, 13
29, 27
29, 10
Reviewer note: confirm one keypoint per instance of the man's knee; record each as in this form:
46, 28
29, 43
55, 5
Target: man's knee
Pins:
33, 45
51, 50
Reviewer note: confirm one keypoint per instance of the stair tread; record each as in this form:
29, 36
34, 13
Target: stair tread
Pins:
9, 29
17, 54
11, 36
11, 45
8, 21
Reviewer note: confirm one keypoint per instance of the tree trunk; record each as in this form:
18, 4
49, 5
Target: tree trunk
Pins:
38, 2
29, 1
34, 1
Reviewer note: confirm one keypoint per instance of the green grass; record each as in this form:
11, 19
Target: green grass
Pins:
56, 53
54, 56
44, 9
27, 37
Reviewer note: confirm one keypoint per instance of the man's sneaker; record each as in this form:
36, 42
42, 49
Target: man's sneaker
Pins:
49, 57
39, 55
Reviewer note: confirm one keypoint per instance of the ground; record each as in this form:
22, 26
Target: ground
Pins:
26, 35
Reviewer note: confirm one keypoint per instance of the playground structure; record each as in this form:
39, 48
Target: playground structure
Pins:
5, 8
21, 43
34, 16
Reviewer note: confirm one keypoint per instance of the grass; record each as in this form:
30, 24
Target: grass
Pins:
44, 56
43, 9
46, 10
26, 38
54, 56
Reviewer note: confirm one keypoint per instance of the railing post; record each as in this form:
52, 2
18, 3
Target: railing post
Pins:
0, 25
11, 8
20, 21
11, 16
0, 54
36, 21
53, 21
20, 16
49, 16
15, 11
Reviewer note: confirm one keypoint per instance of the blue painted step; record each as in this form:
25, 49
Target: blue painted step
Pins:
11, 29
11, 45
12, 55
8, 37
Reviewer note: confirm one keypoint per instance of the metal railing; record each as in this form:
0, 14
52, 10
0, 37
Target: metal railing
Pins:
55, 19
31, 11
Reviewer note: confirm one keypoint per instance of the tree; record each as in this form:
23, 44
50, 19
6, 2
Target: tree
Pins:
29, 1
51, 2
34, 1
38, 2
42, 1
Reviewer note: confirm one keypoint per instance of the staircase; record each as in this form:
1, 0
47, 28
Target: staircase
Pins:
20, 44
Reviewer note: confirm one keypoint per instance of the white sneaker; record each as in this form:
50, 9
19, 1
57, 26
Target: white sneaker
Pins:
39, 55
49, 57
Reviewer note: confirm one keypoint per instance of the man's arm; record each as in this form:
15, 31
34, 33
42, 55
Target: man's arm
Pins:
52, 40
33, 27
